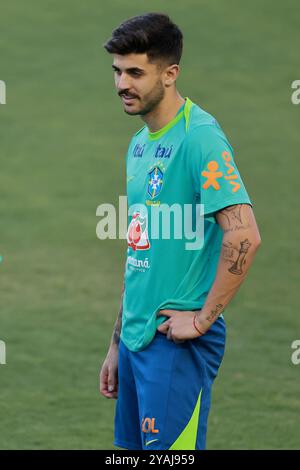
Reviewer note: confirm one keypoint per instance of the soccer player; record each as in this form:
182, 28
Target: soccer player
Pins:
169, 337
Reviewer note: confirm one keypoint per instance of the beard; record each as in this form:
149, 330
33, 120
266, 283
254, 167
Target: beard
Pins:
150, 100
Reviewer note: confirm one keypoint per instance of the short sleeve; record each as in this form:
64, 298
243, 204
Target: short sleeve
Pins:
216, 179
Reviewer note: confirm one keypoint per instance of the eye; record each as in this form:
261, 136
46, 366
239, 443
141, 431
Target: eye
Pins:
136, 74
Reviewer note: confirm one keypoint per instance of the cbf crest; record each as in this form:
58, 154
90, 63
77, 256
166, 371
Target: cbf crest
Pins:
155, 182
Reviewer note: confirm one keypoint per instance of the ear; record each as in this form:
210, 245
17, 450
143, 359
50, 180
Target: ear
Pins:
171, 74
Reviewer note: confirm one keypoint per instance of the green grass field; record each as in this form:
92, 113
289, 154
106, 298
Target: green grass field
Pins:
63, 137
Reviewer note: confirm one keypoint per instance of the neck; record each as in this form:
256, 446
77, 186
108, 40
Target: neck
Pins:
164, 112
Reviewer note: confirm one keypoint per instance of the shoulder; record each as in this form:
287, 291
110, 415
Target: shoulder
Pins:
137, 137
199, 117
203, 130
203, 124
140, 134
140, 131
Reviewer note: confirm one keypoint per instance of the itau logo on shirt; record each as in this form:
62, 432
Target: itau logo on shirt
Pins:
138, 150
163, 152
137, 235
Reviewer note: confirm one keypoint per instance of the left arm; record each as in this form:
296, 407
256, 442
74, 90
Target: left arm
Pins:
240, 242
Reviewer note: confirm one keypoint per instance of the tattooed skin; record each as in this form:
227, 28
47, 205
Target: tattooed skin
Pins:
237, 252
117, 330
233, 218
215, 312
229, 252
233, 213
118, 325
237, 267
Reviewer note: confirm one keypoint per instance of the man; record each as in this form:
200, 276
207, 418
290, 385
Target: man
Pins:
169, 337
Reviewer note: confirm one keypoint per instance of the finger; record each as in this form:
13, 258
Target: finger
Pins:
112, 380
169, 334
114, 392
103, 380
104, 383
178, 341
163, 328
111, 394
166, 313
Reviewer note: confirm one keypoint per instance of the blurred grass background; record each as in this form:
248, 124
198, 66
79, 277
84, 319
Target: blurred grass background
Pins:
63, 138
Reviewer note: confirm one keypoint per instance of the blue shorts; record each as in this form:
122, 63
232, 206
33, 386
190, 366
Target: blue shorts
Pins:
164, 392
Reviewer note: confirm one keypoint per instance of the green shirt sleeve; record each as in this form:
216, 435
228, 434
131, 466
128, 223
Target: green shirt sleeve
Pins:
216, 179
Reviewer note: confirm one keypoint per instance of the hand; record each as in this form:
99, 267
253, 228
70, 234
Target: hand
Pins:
180, 325
109, 374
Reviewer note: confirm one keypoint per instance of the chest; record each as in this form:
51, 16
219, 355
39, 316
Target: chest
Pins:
157, 173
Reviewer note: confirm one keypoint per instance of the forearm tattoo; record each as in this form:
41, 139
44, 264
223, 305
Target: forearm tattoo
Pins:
118, 325
233, 221
237, 267
215, 312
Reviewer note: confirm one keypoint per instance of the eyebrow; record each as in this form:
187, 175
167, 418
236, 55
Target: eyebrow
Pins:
130, 69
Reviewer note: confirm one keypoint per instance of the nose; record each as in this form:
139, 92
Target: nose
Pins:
123, 82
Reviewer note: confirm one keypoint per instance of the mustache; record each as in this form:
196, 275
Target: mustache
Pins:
125, 93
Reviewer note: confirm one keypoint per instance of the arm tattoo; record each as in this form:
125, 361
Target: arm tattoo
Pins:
229, 251
233, 214
215, 312
233, 218
237, 267
117, 330
118, 325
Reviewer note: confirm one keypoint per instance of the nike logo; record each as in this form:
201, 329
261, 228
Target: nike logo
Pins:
150, 442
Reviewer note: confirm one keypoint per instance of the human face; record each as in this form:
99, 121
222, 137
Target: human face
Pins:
139, 83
